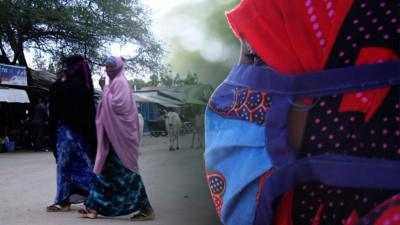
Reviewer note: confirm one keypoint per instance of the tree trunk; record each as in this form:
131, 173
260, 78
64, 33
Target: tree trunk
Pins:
3, 55
20, 56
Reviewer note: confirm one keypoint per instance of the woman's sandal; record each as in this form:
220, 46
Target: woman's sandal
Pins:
58, 208
143, 216
87, 213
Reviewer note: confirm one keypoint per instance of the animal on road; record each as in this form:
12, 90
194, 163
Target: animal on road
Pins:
173, 125
141, 125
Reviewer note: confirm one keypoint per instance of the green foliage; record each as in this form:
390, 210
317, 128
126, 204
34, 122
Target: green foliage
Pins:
154, 81
191, 78
137, 83
208, 72
177, 80
166, 80
211, 19
51, 68
40, 61
87, 27
217, 23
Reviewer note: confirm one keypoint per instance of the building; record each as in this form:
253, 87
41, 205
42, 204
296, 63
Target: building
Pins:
186, 100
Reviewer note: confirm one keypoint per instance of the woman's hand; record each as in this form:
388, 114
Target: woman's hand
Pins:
102, 82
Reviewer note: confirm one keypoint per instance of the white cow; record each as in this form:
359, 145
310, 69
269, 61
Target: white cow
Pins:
198, 130
173, 125
141, 124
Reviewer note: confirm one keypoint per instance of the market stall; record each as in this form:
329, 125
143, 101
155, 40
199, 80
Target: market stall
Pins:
13, 104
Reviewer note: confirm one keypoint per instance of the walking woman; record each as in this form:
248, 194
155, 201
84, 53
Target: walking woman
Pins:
119, 189
73, 131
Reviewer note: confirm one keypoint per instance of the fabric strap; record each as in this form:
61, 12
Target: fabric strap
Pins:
330, 169
322, 83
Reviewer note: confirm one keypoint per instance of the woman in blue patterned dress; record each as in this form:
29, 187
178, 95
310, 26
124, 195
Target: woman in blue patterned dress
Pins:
72, 125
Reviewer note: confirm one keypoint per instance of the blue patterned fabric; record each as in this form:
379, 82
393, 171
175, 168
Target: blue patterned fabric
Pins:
117, 191
74, 166
236, 159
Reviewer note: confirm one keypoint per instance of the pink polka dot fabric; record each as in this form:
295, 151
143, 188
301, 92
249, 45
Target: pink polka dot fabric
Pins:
368, 24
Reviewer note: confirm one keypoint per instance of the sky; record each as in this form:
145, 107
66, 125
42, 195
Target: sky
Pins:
162, 7
160, 10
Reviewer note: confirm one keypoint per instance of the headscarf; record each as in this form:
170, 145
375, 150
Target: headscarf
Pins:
115, 69
117, 120
76, 65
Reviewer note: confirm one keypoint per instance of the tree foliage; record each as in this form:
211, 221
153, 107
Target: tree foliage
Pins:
154, 81
166, 80
191, 78
137, 84
214, 26
87, 27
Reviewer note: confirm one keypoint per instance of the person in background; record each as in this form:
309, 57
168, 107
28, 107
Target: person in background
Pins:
119, 189
72, 123
38, 123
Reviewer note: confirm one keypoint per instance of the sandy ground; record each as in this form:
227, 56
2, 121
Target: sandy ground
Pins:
175, 183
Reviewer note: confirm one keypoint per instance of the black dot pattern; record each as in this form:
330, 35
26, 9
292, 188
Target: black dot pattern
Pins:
369, 24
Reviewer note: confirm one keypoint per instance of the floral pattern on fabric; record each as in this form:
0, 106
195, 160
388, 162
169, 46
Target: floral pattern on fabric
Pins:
243, 104
117, 190
217, 185
74, 166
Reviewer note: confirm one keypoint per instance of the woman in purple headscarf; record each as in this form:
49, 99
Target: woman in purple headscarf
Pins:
119, 189
73, 133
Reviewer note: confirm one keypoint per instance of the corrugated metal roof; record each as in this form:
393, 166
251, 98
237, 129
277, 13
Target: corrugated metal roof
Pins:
190, 94
153, 96
178, 95
42, 79
12, 95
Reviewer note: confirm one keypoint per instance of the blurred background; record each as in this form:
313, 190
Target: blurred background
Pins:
197, 37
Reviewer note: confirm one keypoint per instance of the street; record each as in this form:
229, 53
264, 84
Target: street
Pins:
174, 181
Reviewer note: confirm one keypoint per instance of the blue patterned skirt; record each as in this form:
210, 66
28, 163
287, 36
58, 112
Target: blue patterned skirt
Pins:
74, 167
117, 190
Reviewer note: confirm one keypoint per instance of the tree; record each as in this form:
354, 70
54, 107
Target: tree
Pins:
154, 81
191, 79
87, 27
138, 83
177, 80
40, 61
51, 68
166, 80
